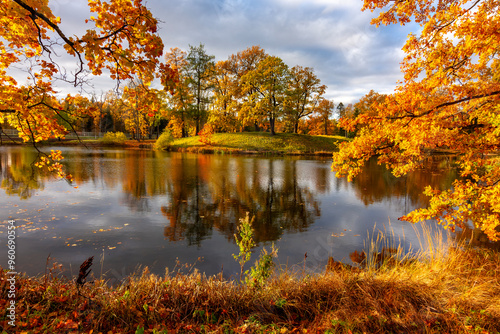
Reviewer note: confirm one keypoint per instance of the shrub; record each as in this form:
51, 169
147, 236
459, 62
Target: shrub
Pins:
163, 142
206, 134
245, 242
114, 138
262, 269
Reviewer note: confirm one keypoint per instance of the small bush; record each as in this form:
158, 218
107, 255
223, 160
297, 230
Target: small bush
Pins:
114, 138
262, 269
245, 242
206, 134
164, 141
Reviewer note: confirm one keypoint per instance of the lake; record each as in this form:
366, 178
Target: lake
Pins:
132, 208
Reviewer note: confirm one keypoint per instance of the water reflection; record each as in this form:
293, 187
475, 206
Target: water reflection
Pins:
208, 192
18, 174
377, 184
146, 207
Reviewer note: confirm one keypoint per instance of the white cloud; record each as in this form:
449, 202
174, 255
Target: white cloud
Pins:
332, 36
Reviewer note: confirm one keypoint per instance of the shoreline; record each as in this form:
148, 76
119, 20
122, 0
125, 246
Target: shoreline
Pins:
197, 148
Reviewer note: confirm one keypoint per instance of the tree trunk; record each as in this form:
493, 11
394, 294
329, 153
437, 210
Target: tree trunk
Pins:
271, 124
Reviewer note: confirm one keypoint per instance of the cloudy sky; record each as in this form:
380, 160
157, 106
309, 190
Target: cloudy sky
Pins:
333, 37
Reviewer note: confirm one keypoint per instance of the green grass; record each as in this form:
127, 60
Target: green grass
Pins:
261, 142
237, 143
447, 288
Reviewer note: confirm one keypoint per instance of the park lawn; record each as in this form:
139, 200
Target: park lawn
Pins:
261, 142
237, 143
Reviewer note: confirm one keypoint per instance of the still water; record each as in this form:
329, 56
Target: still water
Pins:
132, 208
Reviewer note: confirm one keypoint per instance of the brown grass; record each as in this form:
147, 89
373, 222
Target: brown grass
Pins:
446, 290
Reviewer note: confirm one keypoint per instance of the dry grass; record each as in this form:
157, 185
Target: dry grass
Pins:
446, 289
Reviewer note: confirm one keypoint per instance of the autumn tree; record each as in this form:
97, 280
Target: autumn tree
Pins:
181, 100
240, 64
223, 114
324, 111
200, 69
449, 99
304, 92
268, 83
139, 106
120, 41
367, 105
69, 116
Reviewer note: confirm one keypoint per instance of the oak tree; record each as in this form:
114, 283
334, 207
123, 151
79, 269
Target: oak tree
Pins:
225, 84
268, 83
304, 93
449, 100
240, 64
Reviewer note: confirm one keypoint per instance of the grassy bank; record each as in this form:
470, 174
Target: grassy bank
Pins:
452, 291
233, 143
260, 142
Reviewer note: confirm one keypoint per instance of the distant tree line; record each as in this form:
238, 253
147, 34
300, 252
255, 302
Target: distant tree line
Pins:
250, 91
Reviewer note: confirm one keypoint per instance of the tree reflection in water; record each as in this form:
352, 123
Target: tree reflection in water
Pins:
201, 193
19, 176
209, 192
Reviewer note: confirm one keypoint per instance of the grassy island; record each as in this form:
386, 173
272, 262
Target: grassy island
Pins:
261, 143
232, 143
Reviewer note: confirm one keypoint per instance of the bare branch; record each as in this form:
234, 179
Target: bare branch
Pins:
446, 104
34, 15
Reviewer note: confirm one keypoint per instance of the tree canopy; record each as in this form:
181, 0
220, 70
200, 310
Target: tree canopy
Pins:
449, 100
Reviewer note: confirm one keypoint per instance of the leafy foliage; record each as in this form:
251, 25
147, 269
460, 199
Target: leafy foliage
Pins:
449, 100
206, 134
304, 93
268, 84
121, 40
245, 242
114, 138
164, 141
262, 269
